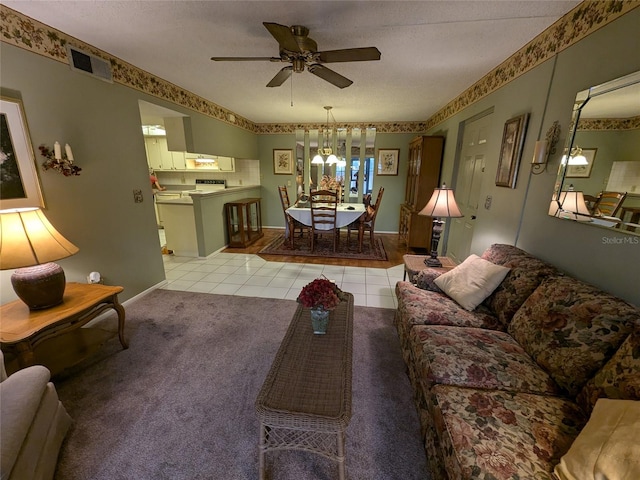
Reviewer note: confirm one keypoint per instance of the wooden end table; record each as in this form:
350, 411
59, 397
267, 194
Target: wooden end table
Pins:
415, 263
305, 401
22, 329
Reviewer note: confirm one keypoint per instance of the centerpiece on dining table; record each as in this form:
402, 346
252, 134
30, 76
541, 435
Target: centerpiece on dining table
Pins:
320, 296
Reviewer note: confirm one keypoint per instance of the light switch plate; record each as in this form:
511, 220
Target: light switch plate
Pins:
137, 196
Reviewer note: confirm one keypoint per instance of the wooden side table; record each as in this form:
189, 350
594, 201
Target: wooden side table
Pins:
415, 263
22, 329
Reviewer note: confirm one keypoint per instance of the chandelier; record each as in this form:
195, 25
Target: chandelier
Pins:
326, 150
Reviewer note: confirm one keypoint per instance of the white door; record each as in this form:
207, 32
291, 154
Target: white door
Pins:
467, 186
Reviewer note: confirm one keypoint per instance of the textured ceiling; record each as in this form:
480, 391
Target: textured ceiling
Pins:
431, 50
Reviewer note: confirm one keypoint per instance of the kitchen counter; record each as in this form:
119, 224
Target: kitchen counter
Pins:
195, 224
188, 199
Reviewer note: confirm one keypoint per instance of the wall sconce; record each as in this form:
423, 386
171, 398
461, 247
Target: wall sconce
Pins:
61, 162
544, 148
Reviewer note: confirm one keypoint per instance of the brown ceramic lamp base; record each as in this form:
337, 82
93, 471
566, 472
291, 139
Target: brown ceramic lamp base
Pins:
40, 286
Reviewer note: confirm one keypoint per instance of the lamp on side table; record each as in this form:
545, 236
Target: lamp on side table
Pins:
29, 243
442, 204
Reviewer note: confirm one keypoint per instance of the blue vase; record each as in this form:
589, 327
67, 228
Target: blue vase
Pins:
319, 320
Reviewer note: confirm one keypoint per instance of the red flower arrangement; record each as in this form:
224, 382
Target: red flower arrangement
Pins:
321, 293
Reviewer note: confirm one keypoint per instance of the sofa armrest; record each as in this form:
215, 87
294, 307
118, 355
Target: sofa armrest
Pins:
20, 396
425, 280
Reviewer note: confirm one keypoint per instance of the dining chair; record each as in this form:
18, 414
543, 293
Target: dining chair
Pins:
324, 204
292, 223
608, 203
366, 222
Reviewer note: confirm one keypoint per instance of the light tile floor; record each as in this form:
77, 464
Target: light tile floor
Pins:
251, 276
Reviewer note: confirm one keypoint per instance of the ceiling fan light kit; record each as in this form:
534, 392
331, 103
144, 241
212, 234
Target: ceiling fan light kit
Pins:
301, 51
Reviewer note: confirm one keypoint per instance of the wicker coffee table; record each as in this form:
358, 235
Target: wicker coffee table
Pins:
305, 401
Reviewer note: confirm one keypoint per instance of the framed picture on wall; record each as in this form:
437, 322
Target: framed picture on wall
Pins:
582, 171
511, 150
282, 162
388, 161
19, 181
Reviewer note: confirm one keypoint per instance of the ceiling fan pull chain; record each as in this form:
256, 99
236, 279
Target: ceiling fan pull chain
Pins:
292, 90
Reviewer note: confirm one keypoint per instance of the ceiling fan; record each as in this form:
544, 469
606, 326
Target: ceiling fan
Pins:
298, 49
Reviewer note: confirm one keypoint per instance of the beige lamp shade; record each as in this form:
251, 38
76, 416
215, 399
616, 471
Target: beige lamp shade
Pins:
570, 206
441, 204
27, 238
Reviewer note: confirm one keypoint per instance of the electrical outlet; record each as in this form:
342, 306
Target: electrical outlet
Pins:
487, 202
240, 182
137, 196
288, 183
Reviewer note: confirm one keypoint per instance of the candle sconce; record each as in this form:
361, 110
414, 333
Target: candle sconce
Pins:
544, 148
61, 162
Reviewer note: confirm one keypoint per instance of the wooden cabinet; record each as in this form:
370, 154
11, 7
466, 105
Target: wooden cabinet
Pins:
244, 222
423, 176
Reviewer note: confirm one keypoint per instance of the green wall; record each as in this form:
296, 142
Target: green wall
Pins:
118, 237
519, 216
95, 210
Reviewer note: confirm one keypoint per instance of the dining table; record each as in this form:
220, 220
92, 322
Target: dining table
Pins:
346, 213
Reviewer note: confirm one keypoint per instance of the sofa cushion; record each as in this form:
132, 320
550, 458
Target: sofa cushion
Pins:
421, 307
475, 357
619, 378
571, 329
525, 274
607, 447
472, 281
503, 435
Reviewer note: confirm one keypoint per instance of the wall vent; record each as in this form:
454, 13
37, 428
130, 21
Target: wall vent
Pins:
89, 64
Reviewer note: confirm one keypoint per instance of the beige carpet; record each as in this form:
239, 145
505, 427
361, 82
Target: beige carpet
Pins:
179, 403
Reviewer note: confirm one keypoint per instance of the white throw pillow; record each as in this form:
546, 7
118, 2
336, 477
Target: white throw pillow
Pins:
472, 281
608, 446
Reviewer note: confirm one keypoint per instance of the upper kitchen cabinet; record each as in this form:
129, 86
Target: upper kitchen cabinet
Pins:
158, 156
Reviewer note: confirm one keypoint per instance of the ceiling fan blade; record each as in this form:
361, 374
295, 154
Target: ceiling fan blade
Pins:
283, 36
329, 75
280, 77
350, 55
245, 59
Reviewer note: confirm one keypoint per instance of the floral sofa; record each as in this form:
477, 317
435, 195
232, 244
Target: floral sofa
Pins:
503, 391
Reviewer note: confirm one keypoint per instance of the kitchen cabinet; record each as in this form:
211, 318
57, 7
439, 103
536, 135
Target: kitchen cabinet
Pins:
178, 161
226, 164
423, 175
158, 156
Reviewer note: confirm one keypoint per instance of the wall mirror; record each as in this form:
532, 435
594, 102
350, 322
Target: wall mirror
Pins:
598, 180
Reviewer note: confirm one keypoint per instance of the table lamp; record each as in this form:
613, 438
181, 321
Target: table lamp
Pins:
29, 243
441, 204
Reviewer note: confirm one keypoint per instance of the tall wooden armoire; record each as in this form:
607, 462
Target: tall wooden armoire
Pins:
423, 176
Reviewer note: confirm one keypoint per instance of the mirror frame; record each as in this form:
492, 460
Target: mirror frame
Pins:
581, 99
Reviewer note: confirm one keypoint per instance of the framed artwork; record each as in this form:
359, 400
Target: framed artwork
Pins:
282, 162
511, 150
388, 161
19, 181
582, 171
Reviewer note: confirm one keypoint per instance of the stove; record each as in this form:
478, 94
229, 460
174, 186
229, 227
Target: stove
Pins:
205, 186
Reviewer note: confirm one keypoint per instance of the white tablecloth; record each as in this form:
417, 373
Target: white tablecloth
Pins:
343, 218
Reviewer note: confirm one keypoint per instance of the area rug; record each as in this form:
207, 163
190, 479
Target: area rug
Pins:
179, 403
324, 248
